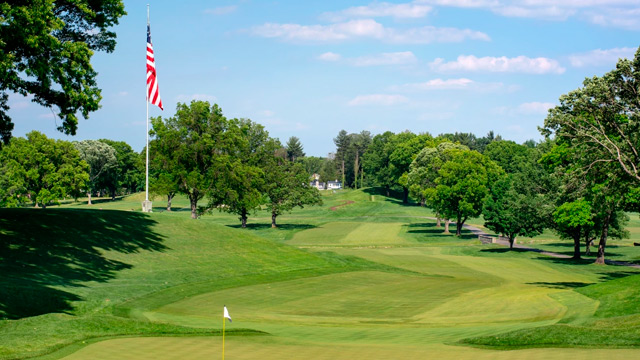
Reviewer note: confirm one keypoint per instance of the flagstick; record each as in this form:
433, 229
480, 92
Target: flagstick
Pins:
223, 324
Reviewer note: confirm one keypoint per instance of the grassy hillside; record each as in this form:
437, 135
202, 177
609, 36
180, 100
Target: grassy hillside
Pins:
361, 277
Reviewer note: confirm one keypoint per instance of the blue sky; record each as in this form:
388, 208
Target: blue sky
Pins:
311, 68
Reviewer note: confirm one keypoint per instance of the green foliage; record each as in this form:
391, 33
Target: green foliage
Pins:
462, 184
46, 49
287, 186
294, 149
196, 148
424, 171
102, 162
375, 161
40, 170
239, 189
510, 156
127, 175
403, 149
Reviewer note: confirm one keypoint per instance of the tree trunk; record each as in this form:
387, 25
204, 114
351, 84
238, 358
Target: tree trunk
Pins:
243, 218
361, 177
44, 206
576, 246
193, 199
423, 202
113, 194
89, 195
273, 219
405, 198
459, 226
355, 171
344, 181
438, 221
512, 240
386, 188
169, 198
603, 240
446, 225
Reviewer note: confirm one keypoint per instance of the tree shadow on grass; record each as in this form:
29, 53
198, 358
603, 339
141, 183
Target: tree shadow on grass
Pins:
44, 251
431, 230
263, 226
561, 285
394, 197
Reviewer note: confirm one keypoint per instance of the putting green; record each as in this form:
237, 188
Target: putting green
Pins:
267, 348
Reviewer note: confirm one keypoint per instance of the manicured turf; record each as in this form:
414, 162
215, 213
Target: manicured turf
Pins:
373, 279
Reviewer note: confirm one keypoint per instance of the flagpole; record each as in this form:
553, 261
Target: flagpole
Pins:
223, 325
146, 206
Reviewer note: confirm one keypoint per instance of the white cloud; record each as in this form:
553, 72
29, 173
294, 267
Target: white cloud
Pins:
123, 93
223, 10
620, 18
396, 58
520, 64
601, 57
611, 13
201, 97
267, 113
549, 13
330, 56
436, 84
365, 29
383, 9
378, 99
535, 107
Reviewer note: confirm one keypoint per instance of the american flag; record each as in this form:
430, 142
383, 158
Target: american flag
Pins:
153, 94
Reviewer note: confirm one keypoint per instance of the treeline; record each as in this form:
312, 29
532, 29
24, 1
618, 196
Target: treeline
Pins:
40, 171
232, 164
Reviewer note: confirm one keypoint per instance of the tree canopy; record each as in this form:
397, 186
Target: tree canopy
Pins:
45, 51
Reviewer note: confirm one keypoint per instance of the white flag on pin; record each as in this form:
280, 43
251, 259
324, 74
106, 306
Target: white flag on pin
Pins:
226, 314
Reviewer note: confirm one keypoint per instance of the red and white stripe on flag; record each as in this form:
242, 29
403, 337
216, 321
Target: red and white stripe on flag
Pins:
153, 94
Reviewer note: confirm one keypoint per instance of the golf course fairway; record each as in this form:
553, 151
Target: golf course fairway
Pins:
368, 280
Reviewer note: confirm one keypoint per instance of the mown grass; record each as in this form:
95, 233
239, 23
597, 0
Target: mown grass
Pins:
371, 279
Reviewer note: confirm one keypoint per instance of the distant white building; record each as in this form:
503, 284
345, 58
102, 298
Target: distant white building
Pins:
318, 185
331, 156
334, 185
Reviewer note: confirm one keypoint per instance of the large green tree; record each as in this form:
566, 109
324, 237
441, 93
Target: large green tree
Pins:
287, 186
196, 147
126, 175
463, 183
240, 190
375, 161
40, 170
45, 51
405, 148
102, 161
602, 118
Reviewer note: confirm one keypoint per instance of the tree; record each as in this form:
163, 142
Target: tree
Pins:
312, 164
197, 145
287, 186
101, 159
462, 185
358, 145
405, 147
375, 161
240, 189
126, 174
574, 220
46, 49
294, 149
423, 172
342, 142
510, 156
40, 169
